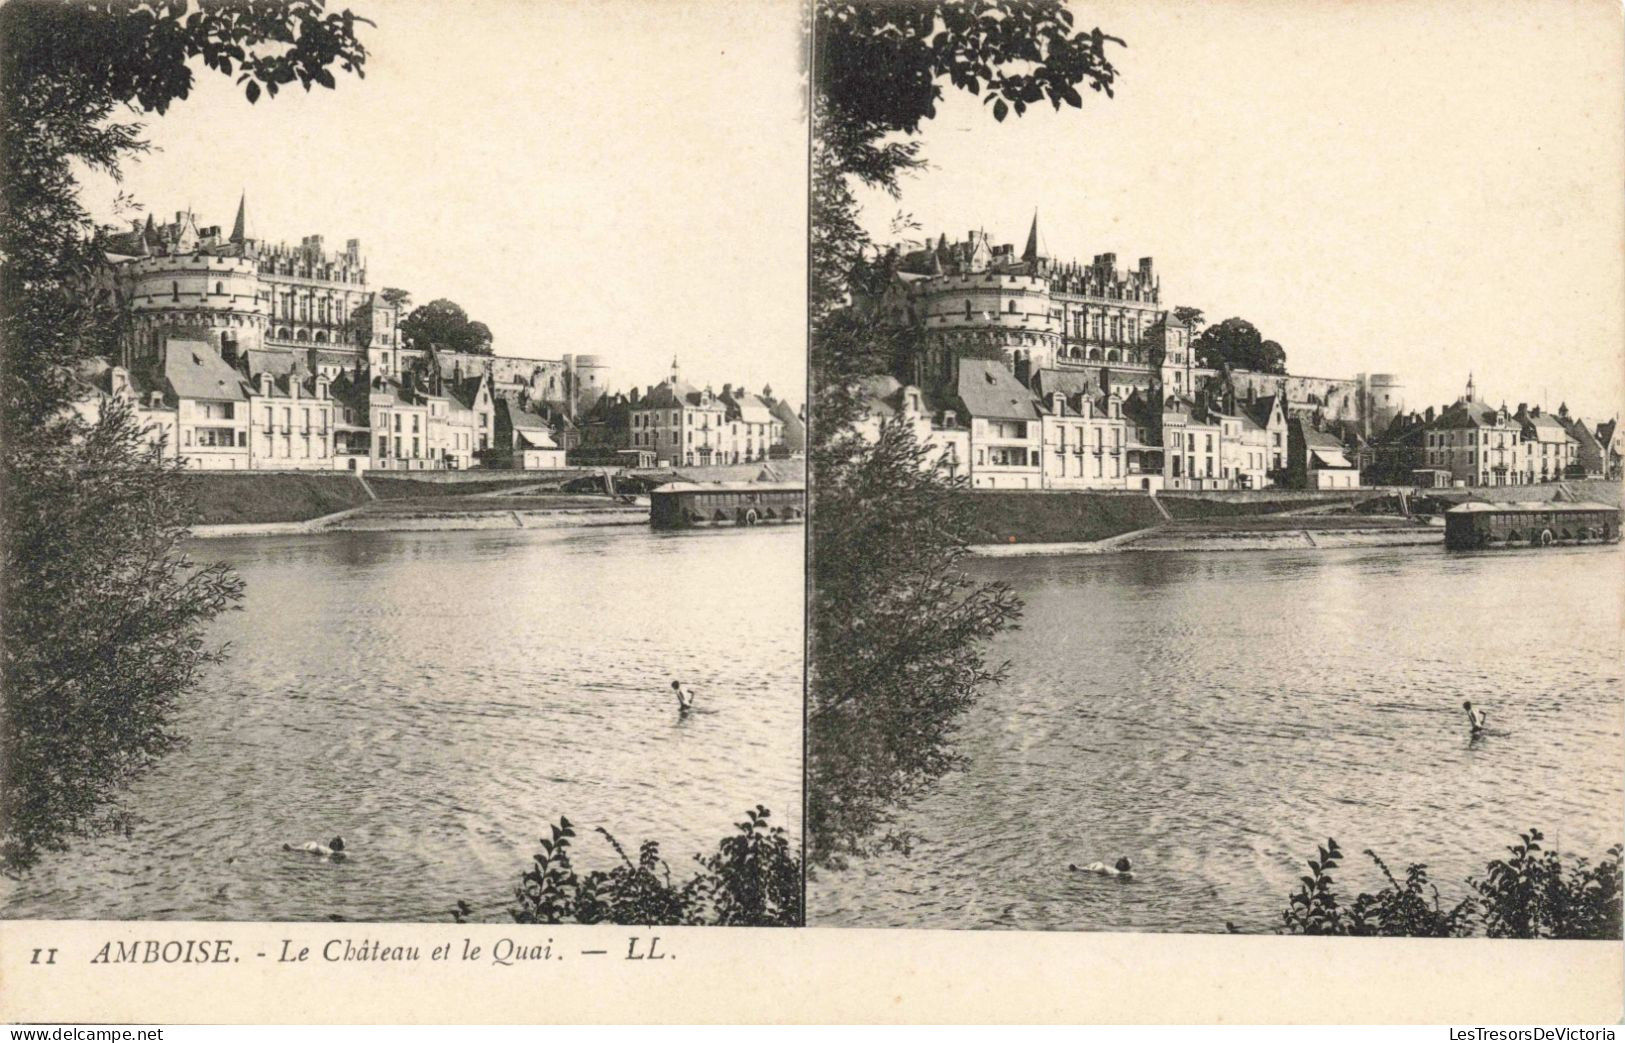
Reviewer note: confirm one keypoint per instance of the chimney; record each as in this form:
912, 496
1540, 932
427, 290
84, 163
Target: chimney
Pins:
1024, 370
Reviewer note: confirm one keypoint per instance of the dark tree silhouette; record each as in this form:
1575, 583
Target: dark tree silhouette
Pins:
445, 325
895, 652
1236, 343
104, 616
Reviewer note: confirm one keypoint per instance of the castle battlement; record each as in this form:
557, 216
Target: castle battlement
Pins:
189, 263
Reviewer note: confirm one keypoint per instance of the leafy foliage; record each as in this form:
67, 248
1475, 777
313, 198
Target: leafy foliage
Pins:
751, 880
1237, 344
897, 634
1191, 317
879, 68
897, 627
1530, 895
103, 628
445, 325
1533, 895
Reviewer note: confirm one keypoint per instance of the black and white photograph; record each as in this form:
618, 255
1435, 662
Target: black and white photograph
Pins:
1025, 511
404, 459
1216, 468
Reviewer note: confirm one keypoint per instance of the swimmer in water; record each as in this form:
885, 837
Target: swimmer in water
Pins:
1475, 719
333, 849
1123, 870
685, 697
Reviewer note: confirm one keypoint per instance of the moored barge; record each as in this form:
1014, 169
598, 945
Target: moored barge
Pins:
1478, 525
685, 505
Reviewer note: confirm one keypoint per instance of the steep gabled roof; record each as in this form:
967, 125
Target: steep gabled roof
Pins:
1546, 427
193, 370
752, 409
988, 390
277, 363
669, 395
1464, 414
1261, 409
1069, 382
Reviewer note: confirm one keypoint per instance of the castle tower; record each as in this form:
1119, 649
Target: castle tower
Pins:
1169, 350
1384, 399
588, 380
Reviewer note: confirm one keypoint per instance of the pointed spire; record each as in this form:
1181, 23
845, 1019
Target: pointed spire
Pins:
1031, 253
239, 227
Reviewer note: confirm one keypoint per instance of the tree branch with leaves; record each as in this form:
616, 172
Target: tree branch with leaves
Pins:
896, 652
105, 617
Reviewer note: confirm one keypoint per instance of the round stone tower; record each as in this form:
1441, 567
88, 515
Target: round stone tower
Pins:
1384, 400
589, 380
218, 298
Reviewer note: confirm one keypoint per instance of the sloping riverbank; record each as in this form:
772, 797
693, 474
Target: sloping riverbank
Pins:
448, 507
1018, 524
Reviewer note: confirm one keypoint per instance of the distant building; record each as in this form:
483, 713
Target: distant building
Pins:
1476, 444
307, 334
693, 427
1006, 429
1612, 439
937, 428
1085, 437
524, 440
1316, 459
211, 405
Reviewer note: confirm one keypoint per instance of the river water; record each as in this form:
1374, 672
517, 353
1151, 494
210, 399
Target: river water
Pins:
438, 699
1215, 716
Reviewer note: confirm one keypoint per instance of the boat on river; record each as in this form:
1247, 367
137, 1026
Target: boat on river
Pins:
685, 505
1478, 525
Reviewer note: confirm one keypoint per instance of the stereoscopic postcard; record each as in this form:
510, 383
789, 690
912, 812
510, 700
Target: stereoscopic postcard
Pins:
1022, 510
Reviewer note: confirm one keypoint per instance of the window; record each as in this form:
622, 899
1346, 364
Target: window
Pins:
219, 288
1012, 308
174, 291
967, 309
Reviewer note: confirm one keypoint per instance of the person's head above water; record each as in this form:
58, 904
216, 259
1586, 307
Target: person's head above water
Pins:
677, 684
336, 844
1123, 865
1466, 705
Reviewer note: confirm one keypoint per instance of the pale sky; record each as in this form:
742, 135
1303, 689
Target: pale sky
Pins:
1425, 189
614, 178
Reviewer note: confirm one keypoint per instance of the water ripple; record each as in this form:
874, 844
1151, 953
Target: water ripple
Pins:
440, 698
1214, 717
